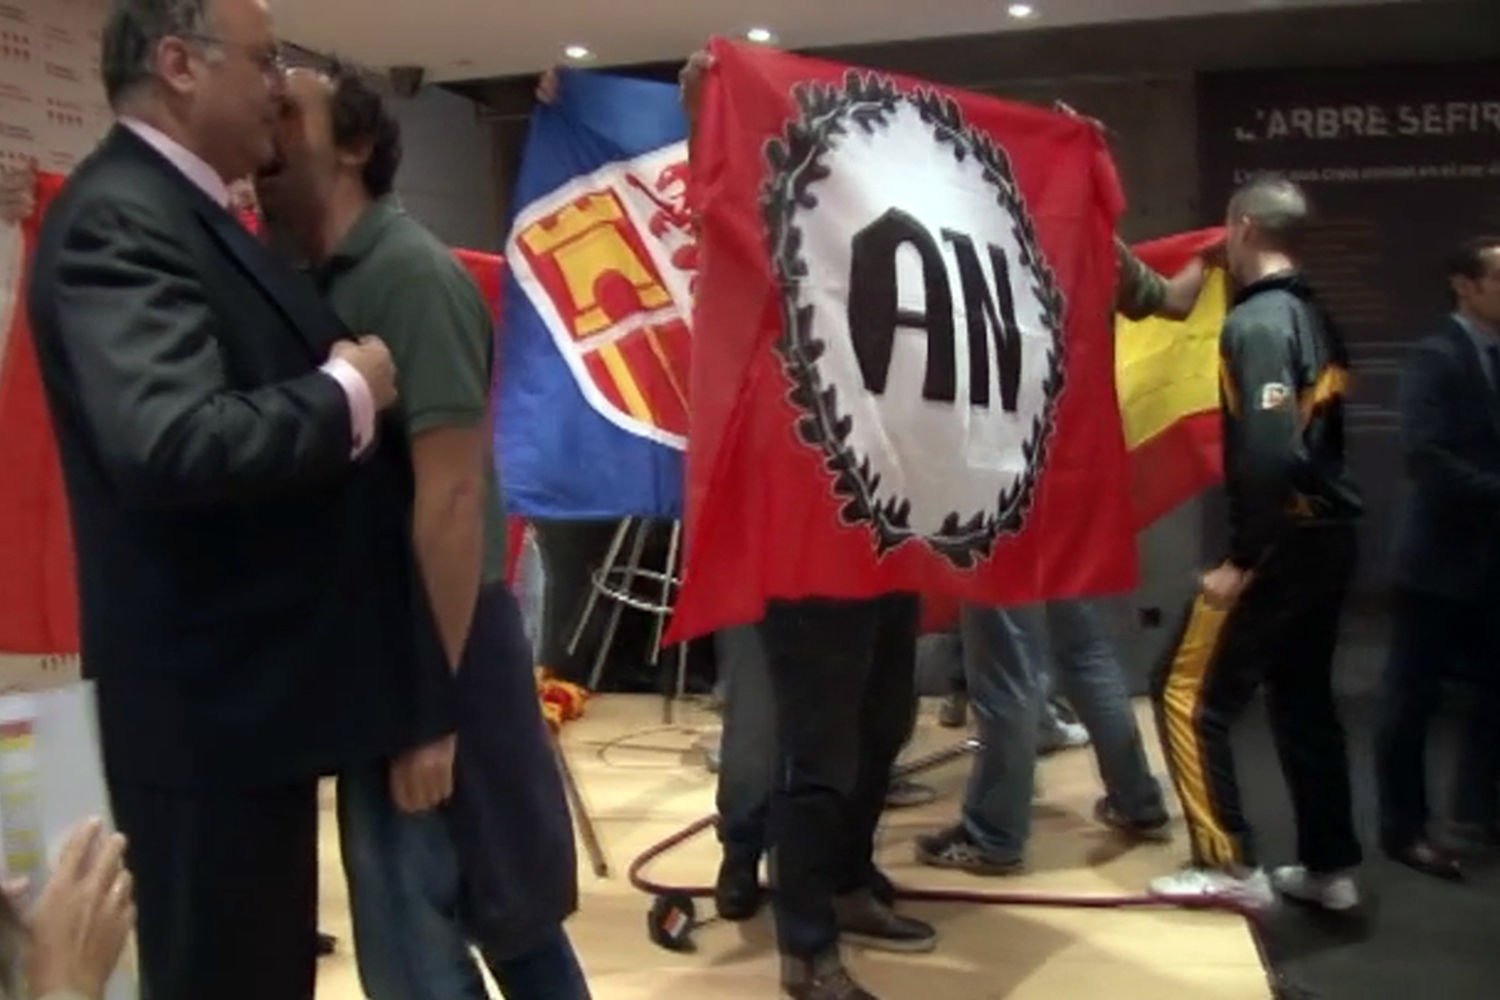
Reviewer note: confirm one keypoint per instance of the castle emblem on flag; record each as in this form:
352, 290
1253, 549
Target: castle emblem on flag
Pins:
608, 262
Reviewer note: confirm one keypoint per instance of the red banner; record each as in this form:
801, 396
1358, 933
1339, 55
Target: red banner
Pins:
488, 270
38, 600
905, 376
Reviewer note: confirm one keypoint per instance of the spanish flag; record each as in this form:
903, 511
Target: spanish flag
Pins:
1167, 378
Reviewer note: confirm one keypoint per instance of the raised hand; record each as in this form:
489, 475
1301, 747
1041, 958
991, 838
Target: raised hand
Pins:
83, 917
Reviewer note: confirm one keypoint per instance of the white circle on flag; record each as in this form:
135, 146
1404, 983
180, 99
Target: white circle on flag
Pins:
940, 439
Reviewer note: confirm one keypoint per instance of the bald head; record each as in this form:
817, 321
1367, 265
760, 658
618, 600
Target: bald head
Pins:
1277, 206
1267, 218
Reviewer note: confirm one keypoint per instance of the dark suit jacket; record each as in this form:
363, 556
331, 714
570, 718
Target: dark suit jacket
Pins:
246, 589
1449, 539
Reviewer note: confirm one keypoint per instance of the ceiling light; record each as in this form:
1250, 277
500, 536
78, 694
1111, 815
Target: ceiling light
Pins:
761, 36
578, 52
1020, 10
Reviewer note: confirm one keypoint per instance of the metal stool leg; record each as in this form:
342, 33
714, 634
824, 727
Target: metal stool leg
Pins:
668, 577
615, 545
601, 579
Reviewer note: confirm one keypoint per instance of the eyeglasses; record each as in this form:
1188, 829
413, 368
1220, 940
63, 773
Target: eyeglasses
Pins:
270, 61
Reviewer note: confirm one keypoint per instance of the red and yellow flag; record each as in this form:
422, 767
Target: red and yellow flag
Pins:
1167, 378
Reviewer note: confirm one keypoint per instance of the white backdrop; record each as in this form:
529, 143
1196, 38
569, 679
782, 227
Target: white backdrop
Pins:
52, 108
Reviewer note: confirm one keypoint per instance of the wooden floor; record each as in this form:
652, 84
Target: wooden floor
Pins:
645, 781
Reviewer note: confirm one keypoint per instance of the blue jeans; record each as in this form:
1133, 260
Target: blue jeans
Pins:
405, 890
747, 750
1004, 650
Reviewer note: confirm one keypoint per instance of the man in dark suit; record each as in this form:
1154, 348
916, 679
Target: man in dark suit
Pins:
1448, 566
241, 521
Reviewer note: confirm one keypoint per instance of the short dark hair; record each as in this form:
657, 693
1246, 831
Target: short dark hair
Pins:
131, 34
1277, 205
361, 117
1467, 260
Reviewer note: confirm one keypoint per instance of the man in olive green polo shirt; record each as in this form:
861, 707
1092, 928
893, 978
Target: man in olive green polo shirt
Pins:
466, 840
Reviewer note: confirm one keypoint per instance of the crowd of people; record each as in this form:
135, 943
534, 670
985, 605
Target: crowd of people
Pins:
289, 532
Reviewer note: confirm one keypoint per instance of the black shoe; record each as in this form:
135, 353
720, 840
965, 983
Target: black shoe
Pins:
1429, 859
953, 849
865, 920
1157, 830
955, 711
821, 979
883, 889
327, 945
737, 894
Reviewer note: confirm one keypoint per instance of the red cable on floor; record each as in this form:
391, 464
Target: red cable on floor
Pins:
982, 898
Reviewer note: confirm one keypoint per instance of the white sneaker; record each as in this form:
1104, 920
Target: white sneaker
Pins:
1215, 887
1337, 892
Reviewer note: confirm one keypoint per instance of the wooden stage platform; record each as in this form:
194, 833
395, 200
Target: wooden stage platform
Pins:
645, 782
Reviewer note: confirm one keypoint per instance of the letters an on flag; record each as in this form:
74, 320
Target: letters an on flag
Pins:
1168, 378
593, 414
38, 600
905, 377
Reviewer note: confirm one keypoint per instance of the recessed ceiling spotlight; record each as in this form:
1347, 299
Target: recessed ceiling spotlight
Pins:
761, 36
1020, 10
578, 53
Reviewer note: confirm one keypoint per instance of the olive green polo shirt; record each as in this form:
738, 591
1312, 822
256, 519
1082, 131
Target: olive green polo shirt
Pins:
392, 278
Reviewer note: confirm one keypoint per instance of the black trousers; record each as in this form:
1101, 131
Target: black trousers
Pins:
843, 677
227, 890
1431, 636
1282, 636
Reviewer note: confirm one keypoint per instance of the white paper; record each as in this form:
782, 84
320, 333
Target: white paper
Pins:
51, 779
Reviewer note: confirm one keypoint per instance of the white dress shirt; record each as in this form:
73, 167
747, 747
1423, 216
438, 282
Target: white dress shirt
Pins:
207, 180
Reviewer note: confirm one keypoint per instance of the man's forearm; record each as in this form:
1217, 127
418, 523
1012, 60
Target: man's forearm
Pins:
1183, 289
449, 539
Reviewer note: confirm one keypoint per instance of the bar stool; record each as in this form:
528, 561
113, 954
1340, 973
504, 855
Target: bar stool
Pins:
622, 582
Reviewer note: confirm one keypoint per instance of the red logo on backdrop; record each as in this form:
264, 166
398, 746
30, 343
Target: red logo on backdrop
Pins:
65, 113
609, 263
15, 46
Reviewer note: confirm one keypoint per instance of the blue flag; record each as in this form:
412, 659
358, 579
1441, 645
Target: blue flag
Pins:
595, 341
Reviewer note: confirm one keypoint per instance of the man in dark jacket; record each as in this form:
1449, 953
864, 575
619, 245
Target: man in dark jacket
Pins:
1269, 615
1448, 566
244, 567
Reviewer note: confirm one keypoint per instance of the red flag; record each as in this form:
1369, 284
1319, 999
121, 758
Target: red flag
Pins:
904, 379
487, 270
38, 600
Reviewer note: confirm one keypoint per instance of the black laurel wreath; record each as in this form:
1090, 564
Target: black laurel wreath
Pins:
868, 100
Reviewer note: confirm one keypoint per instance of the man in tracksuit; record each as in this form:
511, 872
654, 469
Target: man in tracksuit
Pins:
1269, 614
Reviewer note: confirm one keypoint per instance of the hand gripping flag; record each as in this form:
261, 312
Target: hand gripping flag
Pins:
593, 408
38, 601
1167, 374
905, 374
